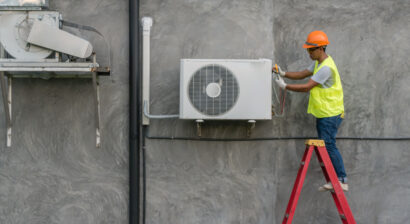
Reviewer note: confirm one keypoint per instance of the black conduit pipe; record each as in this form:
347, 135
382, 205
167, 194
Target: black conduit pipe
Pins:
184, 138
135, 135
273, 138
144, 175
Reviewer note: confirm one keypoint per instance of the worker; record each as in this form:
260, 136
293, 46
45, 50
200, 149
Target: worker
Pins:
325, 99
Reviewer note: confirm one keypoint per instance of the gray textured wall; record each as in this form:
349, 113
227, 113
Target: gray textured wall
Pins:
250, 182
54, 174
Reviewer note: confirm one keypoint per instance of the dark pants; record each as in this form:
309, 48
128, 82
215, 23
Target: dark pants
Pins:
327, 130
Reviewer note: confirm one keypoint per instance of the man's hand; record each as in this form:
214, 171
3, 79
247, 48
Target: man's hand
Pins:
279, 71
281, 83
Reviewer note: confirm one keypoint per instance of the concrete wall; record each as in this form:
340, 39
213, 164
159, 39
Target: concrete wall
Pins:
250, 182
54, 174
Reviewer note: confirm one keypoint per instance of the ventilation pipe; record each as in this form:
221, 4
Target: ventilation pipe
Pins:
146, 23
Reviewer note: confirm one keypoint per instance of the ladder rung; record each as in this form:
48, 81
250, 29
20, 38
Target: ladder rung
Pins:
302, 163
315, 142
322, 164
342, 216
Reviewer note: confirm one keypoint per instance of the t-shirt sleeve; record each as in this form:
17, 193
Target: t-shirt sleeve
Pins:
322, 75
311, 67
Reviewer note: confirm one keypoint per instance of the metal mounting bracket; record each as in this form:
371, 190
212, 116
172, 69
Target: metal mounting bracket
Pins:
96, 86
12, 68
199, 127
6, 92
250, 127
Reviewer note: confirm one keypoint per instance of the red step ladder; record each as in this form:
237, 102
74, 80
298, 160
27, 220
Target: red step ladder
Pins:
338, 196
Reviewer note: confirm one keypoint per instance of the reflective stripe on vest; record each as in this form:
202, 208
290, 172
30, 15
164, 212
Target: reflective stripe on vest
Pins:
326, 102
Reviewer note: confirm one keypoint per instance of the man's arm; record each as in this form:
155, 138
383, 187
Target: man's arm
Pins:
302, 87
298, 75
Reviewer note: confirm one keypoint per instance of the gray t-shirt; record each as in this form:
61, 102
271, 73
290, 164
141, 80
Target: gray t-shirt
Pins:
323, 76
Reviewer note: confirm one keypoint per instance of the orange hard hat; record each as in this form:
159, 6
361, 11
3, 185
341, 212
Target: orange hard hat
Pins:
316, 38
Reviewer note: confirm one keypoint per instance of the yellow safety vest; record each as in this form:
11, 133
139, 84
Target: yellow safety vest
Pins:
326, 102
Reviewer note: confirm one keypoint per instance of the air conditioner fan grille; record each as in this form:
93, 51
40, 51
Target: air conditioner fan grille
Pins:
213, 90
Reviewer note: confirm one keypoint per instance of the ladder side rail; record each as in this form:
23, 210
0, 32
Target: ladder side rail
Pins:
326, 174
297, 187
337, 194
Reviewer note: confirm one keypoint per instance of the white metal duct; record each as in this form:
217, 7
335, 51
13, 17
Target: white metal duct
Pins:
48, 36
15, 27
24, 3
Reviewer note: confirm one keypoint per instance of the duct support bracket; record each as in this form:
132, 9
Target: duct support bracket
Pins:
96, 85
47, 68
6, 92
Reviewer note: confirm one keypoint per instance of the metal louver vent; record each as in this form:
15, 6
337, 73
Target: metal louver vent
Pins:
213, 90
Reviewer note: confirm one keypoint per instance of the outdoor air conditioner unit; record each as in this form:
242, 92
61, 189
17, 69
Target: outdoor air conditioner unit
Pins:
219, 89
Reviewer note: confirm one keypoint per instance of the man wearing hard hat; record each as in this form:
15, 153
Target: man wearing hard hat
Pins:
325, 100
